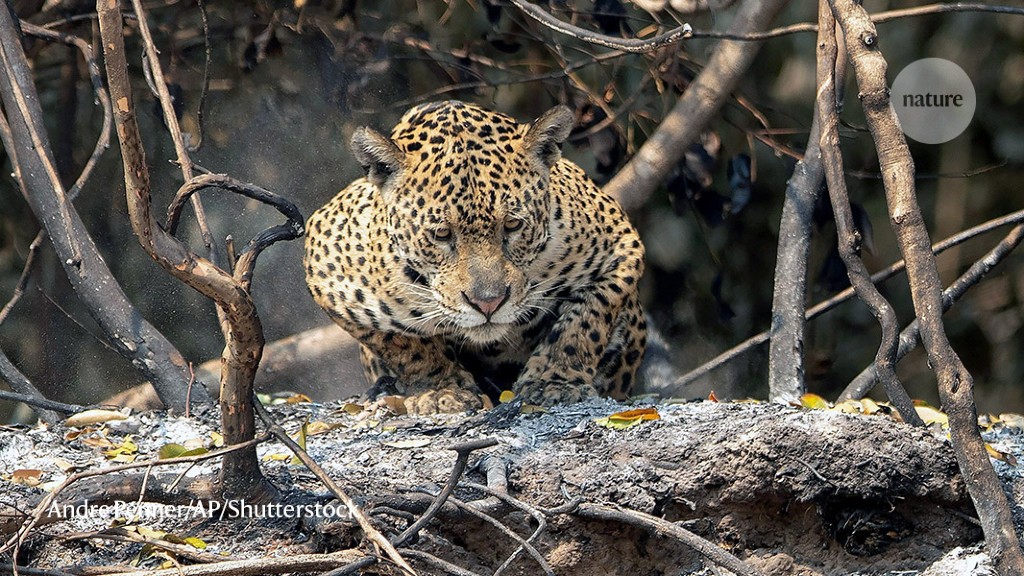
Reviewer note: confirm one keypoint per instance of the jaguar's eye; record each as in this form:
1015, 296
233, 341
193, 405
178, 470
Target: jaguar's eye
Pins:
513, 224
442, 233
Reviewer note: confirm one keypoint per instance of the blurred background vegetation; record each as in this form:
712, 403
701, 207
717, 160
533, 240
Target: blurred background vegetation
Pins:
290, 81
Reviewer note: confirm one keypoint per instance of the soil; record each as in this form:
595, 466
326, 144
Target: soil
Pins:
788, 490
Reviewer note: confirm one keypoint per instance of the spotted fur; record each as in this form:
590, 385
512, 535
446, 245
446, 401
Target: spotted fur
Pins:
473, 258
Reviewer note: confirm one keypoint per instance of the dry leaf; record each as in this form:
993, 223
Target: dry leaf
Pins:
931, 415
27, 476
90, 417
814, 402
506, 396
395, 403
628, 418
1000, 455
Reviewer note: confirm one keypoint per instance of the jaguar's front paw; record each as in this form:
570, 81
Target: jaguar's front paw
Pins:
554, 392
445, 400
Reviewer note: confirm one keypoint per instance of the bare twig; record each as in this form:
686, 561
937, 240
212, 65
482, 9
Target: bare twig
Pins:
631, 45
463, 451
849, 238
656, 525
910, 335
502, 494
201, 110
635, 182
436, 562
830, 303
877, 18
956, 386
35, 400
524, 544
372, 533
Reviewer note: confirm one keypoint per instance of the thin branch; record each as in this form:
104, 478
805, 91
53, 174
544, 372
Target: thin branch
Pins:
372, 533
956, 385
849, 237
877, 18
463, 450
631, 45
36, 400
656, 525
200, 112
841, 297
910, 336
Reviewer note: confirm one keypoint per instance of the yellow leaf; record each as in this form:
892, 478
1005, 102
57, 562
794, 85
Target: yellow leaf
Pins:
814, 402
195, 542
628, 418
931, 415
218, 439
999, 455
849, 407
298, 398
506, 396
410, 443
869, 406
352, 408
123, 451
300, 439
173, 450
319, 427
90, 417
277, 456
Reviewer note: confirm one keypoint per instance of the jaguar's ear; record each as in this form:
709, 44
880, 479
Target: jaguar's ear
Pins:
377, 154
547, 133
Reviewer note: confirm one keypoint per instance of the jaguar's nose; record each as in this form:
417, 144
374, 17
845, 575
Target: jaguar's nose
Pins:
486, 302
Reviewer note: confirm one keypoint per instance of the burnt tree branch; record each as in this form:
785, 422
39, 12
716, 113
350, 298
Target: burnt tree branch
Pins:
956, 386
911, 335
849, 238
240, 473
123, 327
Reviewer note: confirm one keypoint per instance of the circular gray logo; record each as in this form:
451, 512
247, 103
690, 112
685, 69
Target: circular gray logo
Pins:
934, 100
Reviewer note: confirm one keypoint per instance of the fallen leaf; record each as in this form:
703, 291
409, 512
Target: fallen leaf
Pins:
26, 476
506, 396
931, 415
712, 397
395, 403
298, 398
1012, 420
628, 418
173, 450
814, 402
1000, 455
90, 417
